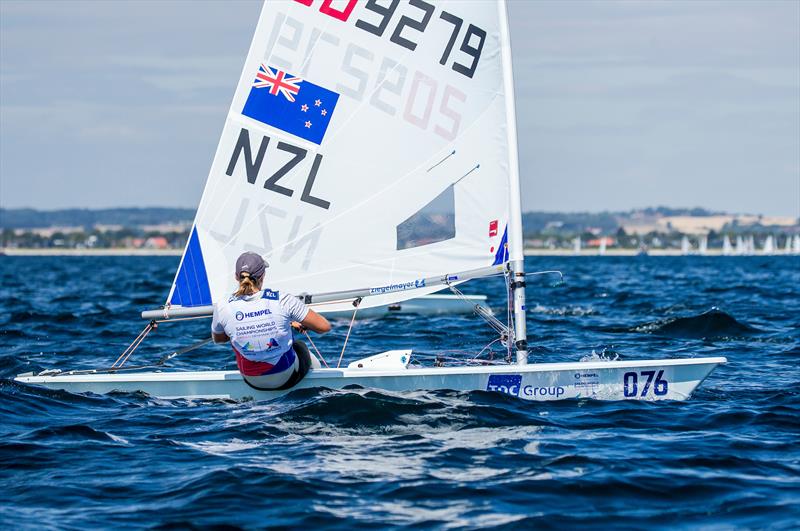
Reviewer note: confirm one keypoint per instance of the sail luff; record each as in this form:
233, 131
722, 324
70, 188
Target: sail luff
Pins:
193, 241
515, 236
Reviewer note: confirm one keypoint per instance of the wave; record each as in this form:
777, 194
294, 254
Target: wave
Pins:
713, 324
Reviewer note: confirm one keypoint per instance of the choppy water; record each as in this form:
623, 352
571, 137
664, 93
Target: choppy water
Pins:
730, 457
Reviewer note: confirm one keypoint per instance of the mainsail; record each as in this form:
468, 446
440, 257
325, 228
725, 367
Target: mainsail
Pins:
368, 145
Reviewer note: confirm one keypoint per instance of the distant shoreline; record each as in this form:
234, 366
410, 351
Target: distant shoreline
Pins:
179, 252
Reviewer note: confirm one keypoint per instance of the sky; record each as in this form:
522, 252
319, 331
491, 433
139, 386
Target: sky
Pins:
620, 104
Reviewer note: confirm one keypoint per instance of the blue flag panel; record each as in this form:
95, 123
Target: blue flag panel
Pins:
191, 284
291, 104
501, 256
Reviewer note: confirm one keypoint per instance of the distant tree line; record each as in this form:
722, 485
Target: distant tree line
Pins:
28, 218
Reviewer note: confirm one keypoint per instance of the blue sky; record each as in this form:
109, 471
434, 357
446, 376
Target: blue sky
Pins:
620, 104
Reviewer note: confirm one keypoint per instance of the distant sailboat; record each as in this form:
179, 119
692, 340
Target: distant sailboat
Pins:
727, 248
576, 245
769, 245
787, 245
740, 245
602, 249
685, 246
751, 244
703, 245
796, 244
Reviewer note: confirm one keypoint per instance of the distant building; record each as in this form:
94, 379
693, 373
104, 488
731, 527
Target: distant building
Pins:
156, 242
610, 241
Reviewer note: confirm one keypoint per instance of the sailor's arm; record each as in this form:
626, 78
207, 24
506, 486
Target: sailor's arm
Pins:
303, 316
218, 328
316, 322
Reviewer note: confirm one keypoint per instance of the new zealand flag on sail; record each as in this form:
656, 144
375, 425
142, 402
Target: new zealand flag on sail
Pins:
290, 104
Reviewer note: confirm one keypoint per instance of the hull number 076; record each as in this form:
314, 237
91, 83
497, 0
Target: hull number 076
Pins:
638, 384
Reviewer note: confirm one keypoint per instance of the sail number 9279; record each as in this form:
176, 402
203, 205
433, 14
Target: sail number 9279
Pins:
411, 25
638, 384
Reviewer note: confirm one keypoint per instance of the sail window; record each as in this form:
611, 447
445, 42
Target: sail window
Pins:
435, 222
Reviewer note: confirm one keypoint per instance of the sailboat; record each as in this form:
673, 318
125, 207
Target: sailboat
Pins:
576, 245
740, 245
685, 246
602, 249
769, 245
702, 247
727, 248
370, 154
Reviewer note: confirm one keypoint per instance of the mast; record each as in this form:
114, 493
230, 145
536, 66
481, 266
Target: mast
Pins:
516, 255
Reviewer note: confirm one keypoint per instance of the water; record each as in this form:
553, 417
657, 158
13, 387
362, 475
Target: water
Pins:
730, 457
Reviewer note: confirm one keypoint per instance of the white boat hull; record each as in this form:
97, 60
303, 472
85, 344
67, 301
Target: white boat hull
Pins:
674, 379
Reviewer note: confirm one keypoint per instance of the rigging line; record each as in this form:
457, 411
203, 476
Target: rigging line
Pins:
174, 354
159, 363
510, 339
356, 303
319, 354
478, 355
125, 359
493, 321
134, 344
466, 174
444, 159
183, 319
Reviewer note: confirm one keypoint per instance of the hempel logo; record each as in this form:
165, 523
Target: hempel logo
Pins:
242, 315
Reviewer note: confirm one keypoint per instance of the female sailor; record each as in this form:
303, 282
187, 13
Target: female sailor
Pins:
258, 322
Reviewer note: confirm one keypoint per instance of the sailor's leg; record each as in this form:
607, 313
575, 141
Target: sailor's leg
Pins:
305, 358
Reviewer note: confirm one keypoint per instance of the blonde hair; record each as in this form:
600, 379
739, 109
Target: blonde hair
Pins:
247, 285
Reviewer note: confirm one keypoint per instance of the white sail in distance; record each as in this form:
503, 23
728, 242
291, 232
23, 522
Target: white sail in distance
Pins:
367, 146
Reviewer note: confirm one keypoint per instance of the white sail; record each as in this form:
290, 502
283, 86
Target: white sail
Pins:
769, 245
602, 249
576, 245
685, 246
367, 145
796, 244
740, 245
727, 248
751, 244
702, 247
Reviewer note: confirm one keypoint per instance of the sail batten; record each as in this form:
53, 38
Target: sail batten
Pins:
363, 146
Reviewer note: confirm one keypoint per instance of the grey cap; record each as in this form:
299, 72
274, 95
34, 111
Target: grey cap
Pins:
251, 263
